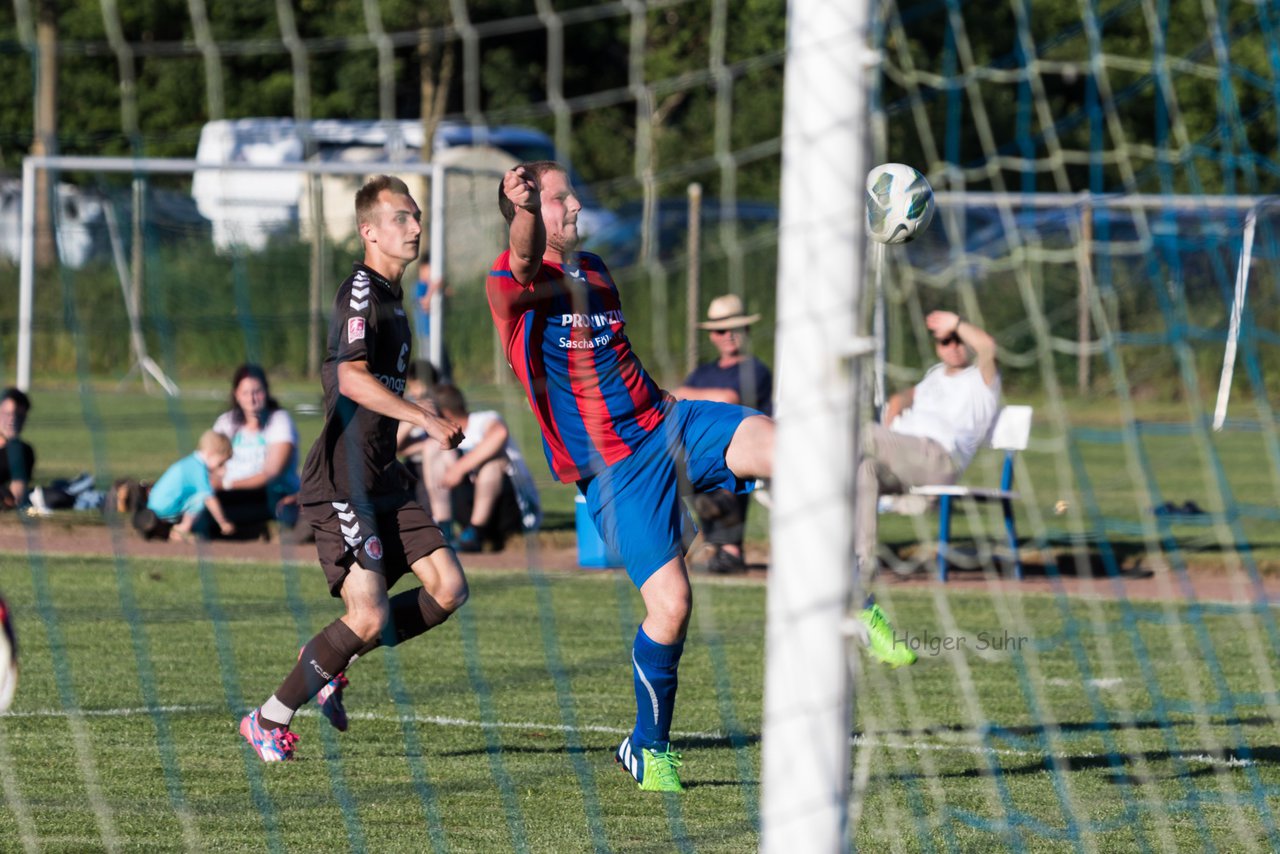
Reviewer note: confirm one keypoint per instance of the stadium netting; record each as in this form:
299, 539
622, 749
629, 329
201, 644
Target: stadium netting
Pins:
1095, 167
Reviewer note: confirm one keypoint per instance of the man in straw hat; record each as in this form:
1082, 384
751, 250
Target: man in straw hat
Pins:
736, 377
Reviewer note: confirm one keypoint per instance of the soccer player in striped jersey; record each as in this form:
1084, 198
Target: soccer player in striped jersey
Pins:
630, 447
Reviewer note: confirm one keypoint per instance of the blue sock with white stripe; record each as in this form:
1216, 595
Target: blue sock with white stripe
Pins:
653, 669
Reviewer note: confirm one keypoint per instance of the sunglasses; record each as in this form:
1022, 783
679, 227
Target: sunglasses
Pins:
949, 340
727, 331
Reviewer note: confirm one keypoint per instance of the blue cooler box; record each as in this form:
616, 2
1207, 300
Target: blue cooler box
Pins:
592, 551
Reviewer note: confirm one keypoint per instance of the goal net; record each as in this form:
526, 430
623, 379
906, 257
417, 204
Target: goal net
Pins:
1102, 212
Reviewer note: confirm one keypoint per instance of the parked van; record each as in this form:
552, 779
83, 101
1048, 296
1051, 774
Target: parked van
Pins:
246, 208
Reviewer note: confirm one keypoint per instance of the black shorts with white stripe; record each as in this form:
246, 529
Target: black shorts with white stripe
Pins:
387, 539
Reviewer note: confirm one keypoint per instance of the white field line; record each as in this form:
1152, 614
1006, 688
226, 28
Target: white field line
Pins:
1105, 683
861, 740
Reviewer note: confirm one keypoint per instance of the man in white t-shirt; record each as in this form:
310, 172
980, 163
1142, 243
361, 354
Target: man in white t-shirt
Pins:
484, 483
930, 431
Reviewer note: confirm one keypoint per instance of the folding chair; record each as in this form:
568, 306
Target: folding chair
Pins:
1010, 434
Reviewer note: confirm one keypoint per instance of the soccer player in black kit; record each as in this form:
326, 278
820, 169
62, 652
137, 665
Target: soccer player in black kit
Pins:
357, 497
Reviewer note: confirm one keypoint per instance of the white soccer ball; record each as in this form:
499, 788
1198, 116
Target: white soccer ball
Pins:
899, 203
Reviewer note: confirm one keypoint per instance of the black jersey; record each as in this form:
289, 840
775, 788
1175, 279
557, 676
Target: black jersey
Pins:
17, 462
354, 458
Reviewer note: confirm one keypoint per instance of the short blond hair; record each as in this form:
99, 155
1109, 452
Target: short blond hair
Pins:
213, 443
367, 196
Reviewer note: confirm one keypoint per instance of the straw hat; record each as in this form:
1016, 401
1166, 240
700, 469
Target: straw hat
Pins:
726, 312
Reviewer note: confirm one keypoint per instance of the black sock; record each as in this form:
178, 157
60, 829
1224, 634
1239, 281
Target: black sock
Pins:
323, 658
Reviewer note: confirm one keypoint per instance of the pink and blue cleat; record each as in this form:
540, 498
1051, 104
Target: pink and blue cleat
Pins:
271, 745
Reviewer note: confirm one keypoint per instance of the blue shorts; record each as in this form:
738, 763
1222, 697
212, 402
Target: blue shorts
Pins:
636, 503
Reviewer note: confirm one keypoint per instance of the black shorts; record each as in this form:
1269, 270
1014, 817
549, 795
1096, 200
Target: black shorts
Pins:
387, 539
504, 521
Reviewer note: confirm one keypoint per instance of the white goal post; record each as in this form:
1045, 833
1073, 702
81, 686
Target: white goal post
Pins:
808, 686
437, 172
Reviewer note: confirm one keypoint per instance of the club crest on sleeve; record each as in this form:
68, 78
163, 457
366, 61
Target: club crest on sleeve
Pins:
373, 548
355, 328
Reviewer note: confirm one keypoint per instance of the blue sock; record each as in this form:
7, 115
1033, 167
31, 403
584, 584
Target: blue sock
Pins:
653, 670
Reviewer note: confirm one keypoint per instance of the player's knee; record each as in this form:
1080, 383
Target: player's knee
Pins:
492, 471
672, 610
764, 447
368, 621
453, 596
750, 452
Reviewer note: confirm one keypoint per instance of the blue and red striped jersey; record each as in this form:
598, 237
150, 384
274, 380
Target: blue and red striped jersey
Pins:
564, 337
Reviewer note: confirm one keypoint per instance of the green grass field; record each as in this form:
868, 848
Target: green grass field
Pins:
1114, 727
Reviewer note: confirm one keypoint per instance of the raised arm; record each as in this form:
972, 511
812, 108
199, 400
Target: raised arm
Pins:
527, 234
945, 323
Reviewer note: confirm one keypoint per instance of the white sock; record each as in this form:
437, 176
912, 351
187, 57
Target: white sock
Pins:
274, 710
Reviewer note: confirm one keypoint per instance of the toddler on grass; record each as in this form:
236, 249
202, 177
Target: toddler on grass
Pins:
184, 493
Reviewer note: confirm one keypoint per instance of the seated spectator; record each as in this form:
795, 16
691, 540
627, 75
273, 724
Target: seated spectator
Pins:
931, 431
182, 502
411, 439
17, 458
261, 478
734, 376
484, 483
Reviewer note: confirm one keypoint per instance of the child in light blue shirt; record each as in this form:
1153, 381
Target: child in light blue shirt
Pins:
185, 490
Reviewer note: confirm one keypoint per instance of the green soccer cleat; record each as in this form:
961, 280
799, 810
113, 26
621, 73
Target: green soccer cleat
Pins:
879, 639
654, 771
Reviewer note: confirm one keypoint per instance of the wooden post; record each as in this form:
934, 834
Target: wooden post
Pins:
45, 139
1083, 298
137, 253
693, 295
315, 297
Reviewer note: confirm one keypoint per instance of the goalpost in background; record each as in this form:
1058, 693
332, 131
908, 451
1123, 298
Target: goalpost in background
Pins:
455, 198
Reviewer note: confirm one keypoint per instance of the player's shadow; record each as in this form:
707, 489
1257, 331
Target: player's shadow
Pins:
556, 746
1032, 731
1125, 768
